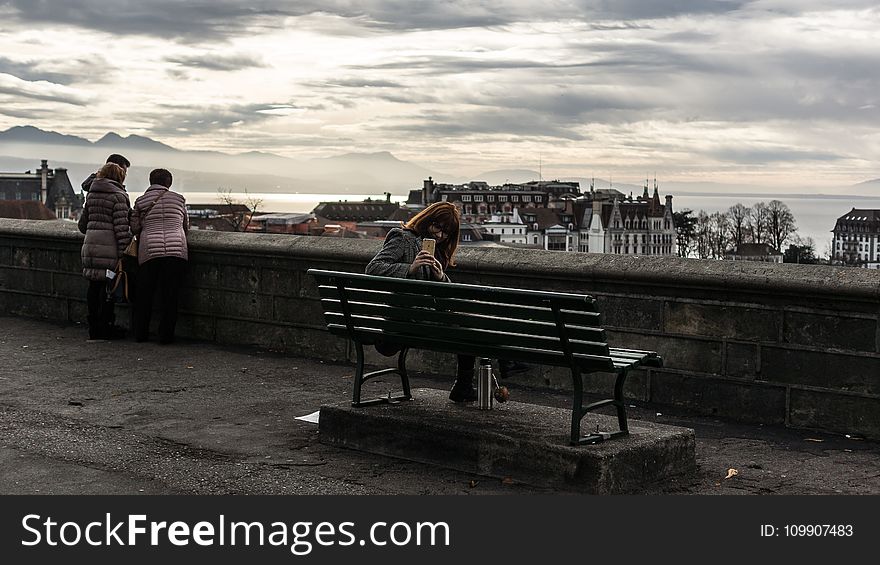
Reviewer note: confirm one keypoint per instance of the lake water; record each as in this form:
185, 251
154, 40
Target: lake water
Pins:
815, 215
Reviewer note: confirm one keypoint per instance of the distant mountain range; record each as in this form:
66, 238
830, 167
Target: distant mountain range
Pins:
22, 147
206, 171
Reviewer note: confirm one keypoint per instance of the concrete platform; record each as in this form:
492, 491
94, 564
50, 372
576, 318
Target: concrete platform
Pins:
524, 442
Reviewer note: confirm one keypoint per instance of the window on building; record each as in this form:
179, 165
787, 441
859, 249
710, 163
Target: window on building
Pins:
490, 198
527, 197
539, 198
465, 197
514, 198
478, 198
465, 237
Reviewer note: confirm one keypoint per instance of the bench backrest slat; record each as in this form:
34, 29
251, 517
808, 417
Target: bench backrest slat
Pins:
465, 319
483, 320
521, 297
497, 309
463, 334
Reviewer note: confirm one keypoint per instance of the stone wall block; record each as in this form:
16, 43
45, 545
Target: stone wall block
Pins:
25, 280
842, 413
834, 331
734, 321
627, 312
698, 355
741, 360
35, 258
836, 371
742, 401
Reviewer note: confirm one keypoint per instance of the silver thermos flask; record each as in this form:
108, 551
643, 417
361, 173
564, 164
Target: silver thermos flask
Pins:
485, 385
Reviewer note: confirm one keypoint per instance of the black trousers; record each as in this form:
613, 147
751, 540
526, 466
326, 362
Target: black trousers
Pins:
165, 275
101, 311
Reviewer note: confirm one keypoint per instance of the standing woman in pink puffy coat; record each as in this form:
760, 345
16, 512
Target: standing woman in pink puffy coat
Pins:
160, 220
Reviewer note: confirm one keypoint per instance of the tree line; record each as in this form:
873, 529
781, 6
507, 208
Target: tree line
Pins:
710, 236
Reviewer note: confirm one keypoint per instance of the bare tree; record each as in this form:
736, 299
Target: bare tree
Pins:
782, 224
739, 216
702, 236
685, 231
719, 234
238, 218
759, 222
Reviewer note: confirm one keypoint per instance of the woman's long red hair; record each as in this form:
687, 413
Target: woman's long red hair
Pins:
444, 214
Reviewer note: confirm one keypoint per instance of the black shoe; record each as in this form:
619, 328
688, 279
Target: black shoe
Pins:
463, 393
509, 368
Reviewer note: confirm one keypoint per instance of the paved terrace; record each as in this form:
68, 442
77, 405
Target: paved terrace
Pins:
201, 418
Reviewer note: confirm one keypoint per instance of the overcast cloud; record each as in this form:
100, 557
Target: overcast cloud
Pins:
714, 90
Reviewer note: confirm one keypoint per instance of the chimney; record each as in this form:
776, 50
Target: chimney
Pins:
669, 203
44, 180
388, 197
427, 191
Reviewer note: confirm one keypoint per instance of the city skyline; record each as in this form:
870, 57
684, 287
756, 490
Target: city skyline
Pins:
758, 92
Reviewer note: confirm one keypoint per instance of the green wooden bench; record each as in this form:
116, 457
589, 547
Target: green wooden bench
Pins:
549, 328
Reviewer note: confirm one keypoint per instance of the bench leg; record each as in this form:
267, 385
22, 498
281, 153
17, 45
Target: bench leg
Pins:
579, 411
360, 378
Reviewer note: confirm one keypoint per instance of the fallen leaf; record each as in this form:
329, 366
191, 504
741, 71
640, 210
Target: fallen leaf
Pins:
472, 484
189, 366
731, 473
507, 481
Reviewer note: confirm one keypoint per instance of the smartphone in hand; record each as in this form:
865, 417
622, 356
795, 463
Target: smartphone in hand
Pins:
428, 245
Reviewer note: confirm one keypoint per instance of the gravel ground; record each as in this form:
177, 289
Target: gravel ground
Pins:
196, 418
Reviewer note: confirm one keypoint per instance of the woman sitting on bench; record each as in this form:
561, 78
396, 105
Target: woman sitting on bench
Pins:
403, 256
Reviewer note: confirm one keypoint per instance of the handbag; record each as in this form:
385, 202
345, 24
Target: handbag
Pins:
132, 249
117, 287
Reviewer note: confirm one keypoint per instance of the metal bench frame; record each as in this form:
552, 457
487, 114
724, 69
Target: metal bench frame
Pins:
336, 290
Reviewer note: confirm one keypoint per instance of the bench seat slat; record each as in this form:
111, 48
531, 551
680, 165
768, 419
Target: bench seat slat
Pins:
501, 351
491, 338
499, 309
455, 318
455, 290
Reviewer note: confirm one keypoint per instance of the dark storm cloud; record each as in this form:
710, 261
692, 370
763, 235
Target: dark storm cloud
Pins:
29, 71
195, 20
177, 120
217, 62
75, 70
758, 155
206, 20
478, 123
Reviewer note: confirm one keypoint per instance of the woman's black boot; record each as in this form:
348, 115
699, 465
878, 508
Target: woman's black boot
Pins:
463, 389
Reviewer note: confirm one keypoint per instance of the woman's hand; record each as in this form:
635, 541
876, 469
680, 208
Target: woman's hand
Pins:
425, 259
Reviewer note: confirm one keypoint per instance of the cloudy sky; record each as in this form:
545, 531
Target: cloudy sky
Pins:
761, 91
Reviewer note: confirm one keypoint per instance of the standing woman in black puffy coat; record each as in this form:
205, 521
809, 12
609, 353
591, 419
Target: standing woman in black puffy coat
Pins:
105, 222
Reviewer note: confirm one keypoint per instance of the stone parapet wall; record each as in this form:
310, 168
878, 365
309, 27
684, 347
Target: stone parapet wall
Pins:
785, 344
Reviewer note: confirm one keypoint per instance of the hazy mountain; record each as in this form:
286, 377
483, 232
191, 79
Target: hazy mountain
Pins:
364, 173
30, 134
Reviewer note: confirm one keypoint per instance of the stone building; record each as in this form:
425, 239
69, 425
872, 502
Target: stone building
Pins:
857, 239
555, 215
754, 252
50, 187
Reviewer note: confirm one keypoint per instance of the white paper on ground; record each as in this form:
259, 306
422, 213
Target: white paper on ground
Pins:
313, 417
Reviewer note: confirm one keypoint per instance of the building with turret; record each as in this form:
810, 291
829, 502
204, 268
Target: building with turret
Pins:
857, 239
557, 216
50, 187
